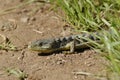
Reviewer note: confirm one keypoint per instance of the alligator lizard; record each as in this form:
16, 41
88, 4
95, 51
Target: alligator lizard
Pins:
70, 43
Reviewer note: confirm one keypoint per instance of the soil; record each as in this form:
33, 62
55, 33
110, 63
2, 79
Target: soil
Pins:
25, 25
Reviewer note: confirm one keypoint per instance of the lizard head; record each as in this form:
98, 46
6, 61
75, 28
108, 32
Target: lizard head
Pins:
42, 46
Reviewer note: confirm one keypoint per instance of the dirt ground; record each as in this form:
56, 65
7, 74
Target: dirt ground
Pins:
25, 25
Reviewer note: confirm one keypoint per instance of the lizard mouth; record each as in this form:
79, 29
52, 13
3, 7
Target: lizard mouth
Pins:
41, 50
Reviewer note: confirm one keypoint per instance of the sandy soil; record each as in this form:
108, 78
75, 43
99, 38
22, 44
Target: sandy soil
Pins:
23, 26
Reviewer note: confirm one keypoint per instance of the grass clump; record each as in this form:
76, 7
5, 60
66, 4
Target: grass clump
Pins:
18, 73
109, 47
88, 14
6, 44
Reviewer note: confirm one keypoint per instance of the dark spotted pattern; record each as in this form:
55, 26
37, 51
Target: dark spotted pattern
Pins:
63, 43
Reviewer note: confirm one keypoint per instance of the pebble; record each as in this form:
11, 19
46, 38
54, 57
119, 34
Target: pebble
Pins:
25, 19
8, 26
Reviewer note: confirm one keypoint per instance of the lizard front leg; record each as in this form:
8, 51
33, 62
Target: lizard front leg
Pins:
71, 46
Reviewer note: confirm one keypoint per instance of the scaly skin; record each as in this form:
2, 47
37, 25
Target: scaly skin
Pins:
62, 44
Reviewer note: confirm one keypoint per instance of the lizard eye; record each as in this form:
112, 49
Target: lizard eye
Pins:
40, 44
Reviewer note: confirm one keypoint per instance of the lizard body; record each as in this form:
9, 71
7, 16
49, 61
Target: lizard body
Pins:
62, 44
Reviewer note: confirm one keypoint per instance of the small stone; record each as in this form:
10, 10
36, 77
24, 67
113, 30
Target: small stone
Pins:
33, 19
8, 26
25, 19
89, 64
75, 77
48, 58
60, 62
